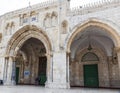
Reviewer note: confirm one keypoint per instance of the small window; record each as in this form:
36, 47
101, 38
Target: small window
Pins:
90, 57
33, 19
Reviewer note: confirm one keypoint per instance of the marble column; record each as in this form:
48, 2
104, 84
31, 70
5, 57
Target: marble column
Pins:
10, 72
13, 77
5, 70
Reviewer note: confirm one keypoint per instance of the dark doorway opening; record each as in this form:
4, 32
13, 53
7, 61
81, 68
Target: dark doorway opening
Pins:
91, 75
42, 70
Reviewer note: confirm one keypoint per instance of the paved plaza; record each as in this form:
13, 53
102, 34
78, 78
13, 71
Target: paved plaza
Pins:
38, 89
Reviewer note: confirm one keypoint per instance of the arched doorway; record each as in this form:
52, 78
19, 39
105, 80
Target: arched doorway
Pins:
28, 55
89, 42
90, 69
90, 66
31, 63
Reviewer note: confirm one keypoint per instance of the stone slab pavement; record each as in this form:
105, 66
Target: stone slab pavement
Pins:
38, 89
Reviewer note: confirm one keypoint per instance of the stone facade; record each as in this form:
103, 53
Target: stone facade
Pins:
65, 40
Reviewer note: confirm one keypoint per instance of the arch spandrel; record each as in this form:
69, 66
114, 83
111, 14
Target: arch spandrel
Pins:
112, 31
25, 33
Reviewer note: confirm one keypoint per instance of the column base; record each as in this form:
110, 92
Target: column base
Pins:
57, 85
9, 83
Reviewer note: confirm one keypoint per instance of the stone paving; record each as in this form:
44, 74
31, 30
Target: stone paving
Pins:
38, 89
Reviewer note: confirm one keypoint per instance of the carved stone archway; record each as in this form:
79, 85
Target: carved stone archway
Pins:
24, 34
18, 40
96, 23
109, 29
78, 64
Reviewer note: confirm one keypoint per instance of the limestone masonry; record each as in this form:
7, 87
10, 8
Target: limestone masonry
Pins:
52, 45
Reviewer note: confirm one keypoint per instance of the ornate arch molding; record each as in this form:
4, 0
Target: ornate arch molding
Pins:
107, 26
100, 54
24, 55
25, 33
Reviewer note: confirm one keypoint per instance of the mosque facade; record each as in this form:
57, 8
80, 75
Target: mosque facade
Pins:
52, 45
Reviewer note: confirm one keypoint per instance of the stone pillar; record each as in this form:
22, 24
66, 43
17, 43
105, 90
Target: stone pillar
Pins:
118, 55
13, 73
110, 68
116, 59
72, 72
49, 70
10, 72
68, 69
59, 71
5, 70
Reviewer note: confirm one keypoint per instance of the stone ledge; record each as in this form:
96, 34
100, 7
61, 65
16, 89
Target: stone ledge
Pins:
9, 83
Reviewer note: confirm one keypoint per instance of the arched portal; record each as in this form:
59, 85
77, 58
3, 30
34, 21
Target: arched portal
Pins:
108, 29
96, 40
31, 62
24, 34
29, 50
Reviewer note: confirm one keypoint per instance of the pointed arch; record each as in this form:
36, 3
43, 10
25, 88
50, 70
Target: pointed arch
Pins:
89, 56
25, 33
112, 31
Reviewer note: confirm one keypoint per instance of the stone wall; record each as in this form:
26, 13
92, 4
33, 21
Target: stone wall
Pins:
59, 22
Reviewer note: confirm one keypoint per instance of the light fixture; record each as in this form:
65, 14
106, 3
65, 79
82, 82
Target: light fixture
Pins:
89, 46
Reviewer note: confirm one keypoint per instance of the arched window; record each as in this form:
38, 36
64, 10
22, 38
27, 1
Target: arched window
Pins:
54, 18
64, 27
47, 20
89, 56
25, 18
33, 16
7, 29
10, 28
0, 37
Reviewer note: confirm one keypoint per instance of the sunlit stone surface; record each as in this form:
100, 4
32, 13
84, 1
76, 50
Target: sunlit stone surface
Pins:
53, 45
37, 89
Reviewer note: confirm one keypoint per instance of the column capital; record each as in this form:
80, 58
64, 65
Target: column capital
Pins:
49, 54
7, 57
117, 49
68, 51
13, 58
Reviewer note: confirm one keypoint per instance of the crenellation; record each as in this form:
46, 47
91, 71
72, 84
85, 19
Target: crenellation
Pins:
93, 7
37, 7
